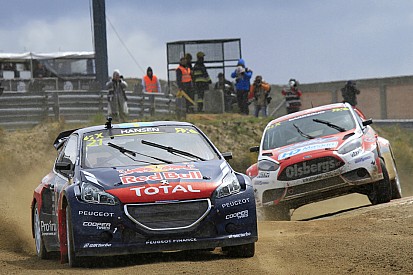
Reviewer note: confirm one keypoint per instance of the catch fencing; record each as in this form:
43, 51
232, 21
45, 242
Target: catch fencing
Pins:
25, 110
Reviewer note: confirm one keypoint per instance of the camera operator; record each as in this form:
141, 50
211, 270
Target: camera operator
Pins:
242, 77
117, 100
259, 92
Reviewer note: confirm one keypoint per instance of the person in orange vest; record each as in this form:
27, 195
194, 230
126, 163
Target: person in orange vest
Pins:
184, 81
150, 82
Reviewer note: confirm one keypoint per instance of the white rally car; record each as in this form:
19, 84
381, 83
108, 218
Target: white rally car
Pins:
321, 153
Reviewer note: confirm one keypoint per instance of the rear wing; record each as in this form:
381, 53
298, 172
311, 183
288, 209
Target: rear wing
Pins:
61, 138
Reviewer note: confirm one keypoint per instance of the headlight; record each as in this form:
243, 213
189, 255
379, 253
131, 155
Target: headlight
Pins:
352, 145
92, 194
266, 165
230, 185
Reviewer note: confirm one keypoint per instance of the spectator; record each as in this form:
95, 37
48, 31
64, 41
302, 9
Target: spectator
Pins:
228, 88
242, 77
150, 82
184, 82
350, 92
117, 100
201, 80
260, 91
292, 96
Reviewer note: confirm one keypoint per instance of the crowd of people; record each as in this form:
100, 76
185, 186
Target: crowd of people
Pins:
193, 83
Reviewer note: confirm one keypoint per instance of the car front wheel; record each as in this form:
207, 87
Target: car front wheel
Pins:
381, 191
71, 256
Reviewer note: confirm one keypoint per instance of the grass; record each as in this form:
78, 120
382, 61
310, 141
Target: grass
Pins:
229, 132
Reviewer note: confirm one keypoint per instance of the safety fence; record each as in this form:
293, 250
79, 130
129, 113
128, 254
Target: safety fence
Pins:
25, 110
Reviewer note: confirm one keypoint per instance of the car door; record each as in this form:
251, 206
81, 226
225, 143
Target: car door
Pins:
50, 196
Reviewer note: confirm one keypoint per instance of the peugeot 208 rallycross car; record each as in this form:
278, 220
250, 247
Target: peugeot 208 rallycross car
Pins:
141, 187
320, 153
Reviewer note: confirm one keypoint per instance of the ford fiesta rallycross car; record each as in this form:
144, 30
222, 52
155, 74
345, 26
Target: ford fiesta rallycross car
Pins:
141, 187
320, 153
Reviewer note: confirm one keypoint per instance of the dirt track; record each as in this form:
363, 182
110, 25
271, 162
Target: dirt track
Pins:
363, 239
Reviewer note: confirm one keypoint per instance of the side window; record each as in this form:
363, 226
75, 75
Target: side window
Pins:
69, 152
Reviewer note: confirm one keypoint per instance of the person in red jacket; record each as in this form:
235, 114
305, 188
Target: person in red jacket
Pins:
292, 96
150, 82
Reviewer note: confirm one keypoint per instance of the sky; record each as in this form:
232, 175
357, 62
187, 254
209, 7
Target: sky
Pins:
311, 41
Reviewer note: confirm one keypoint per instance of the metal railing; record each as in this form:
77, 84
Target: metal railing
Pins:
25, 110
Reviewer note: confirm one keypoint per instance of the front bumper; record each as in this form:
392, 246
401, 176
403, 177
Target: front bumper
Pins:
355, 172
101, 230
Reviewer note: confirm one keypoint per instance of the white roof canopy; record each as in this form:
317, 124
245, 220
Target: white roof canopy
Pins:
39, 56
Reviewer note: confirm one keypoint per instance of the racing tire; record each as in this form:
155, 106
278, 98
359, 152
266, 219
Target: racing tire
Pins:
41, 250
276, 213
71, 256
240, 251
382, 190
396, 190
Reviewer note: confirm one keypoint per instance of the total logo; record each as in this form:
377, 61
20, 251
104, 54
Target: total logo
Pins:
238, 215
163, 189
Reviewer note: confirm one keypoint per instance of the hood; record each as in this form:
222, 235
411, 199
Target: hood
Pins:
312, 146
137, 184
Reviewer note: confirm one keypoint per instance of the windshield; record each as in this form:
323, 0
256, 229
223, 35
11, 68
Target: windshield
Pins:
307, 127
123, 147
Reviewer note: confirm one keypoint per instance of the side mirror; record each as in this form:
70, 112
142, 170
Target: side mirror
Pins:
255, 149
367, 122
227, 155
63, 166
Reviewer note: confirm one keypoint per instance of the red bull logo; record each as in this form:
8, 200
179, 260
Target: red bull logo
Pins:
159, 176
156, 168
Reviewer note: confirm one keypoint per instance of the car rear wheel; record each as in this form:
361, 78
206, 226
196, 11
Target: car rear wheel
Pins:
71, 256
40, 247
381, 191
240, 251
276, 213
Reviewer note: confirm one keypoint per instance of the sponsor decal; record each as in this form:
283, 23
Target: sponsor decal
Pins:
95, 213
239, 215
48, 228
140, 130
235, 203
355, 153
96, 245
240, 235
306, 115
311, 141
192, 175
163, 189
185, 240
157, 168
260, 182
297, 170
98, 225
263, 174
307, 148
322, 176
362, 159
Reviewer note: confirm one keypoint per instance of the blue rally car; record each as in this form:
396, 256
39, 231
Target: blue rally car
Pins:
141, 187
